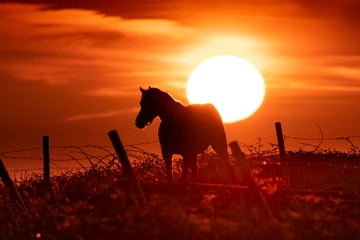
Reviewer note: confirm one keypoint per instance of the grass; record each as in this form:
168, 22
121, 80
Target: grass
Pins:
99, 203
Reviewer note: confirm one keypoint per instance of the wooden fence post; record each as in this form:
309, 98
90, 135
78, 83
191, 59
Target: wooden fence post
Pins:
281, 144
120, 151
46, 159
10, 185
249, 180
280, 139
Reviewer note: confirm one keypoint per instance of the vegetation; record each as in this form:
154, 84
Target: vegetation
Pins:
99, 203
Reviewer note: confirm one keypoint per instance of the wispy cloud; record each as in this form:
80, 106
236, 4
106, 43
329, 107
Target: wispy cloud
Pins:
99, 115
64, 46
111, 92
177, 84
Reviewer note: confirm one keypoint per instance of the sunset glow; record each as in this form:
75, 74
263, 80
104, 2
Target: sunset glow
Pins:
106, 131
72, 69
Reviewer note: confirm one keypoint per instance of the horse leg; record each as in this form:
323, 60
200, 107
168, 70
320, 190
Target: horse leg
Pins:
194, 167
167, 156
221, 149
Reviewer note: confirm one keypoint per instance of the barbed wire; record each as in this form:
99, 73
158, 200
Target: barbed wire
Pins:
318, 139
105, 146
271, 136
21, 150
132, 151
42, 169
73, 146
52, 159
312, 139
4, 154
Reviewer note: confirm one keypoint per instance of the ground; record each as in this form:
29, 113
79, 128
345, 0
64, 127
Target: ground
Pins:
100, 203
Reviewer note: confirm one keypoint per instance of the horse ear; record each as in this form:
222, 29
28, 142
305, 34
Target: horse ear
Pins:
149, 87
142, 90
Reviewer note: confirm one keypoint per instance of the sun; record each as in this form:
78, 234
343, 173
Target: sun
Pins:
232, 84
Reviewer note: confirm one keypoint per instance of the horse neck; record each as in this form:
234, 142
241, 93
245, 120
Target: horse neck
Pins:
171, 110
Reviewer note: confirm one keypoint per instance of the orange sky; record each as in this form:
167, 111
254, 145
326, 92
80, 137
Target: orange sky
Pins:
72, 69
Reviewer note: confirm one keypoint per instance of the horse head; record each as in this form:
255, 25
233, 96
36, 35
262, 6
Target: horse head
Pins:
149, 108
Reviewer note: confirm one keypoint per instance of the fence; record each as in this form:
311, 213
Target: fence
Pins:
122, 156
83, 157
131, 177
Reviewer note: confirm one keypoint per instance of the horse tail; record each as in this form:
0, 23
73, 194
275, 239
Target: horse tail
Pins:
219, 140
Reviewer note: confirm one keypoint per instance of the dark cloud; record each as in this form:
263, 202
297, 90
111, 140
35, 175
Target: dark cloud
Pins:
225, 14
124, 8
347, 10
48, 46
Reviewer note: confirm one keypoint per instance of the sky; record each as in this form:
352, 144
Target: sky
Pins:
72, 69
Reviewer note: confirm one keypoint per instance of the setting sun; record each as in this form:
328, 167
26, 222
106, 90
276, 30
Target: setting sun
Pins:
233, 85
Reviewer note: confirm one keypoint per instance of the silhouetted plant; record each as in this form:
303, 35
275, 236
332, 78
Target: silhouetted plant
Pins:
97, 203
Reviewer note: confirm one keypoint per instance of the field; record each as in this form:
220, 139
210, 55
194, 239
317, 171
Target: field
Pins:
99, 203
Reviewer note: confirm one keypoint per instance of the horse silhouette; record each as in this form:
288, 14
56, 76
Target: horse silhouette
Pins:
184, 130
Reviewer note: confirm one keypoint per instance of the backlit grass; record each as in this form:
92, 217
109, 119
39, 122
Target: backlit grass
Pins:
99, 203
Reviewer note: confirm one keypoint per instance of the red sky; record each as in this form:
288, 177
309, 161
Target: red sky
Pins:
72, 69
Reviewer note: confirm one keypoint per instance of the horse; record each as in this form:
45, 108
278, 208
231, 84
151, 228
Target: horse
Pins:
184, 130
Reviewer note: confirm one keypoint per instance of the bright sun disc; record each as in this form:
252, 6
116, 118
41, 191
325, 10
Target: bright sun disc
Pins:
233, 85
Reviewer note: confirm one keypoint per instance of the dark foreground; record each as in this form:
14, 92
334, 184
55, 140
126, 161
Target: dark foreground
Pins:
99, 203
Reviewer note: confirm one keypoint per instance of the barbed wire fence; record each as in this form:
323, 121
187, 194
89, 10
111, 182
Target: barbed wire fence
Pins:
84, 159
258, 145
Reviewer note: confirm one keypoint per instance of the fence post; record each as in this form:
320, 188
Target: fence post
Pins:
249, 180
280, 139
46, 159
128, 170
284, 164
10, 185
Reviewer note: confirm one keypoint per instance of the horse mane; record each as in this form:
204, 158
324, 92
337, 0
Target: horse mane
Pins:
167, 97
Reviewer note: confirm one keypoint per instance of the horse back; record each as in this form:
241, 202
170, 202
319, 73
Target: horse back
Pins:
197, 125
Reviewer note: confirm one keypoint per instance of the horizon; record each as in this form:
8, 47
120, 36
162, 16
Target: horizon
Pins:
72, 70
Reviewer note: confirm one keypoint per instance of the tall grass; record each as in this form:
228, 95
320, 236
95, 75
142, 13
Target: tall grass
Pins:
98, 203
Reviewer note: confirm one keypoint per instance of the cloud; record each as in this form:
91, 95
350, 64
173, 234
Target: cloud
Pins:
177, 84
346, 10
110, 48
110, 92
75, 19
99, 115
321, 77
127, 8
64, 46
